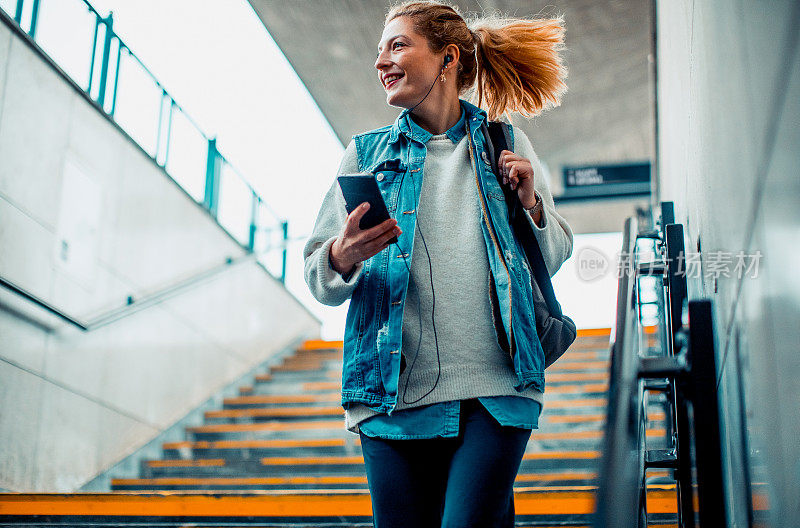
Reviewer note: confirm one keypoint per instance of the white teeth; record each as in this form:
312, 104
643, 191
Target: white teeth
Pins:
390, 78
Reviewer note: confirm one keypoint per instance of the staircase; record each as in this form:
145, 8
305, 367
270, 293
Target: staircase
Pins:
278, 454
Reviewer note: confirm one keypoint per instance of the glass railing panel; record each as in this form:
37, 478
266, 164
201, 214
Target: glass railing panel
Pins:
139, 99
9, 6
65, 31
187, 154
269, 240
647, 289
235, 203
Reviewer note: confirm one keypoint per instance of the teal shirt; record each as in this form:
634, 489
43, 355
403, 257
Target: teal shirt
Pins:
442, 419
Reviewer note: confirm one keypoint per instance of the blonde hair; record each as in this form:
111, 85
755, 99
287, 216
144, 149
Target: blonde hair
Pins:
511, 64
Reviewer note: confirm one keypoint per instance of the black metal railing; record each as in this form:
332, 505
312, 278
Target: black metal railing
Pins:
681, 367
622, 461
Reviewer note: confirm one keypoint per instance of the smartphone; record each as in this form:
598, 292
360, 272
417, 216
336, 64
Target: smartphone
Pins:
361, 188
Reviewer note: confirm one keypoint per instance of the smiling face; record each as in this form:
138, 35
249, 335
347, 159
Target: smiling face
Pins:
406, 65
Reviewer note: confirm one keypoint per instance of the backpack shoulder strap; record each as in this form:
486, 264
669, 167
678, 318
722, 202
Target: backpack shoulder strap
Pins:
499, 137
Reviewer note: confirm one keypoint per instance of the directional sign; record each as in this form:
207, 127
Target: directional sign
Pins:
605, 181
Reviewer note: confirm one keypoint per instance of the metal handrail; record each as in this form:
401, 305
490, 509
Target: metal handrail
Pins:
684, 369
133, 305
618, 497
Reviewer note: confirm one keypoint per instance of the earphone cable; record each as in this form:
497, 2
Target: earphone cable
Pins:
430, 271
419, 315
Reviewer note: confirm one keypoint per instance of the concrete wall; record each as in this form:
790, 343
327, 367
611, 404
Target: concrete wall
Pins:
729, 138
86, 219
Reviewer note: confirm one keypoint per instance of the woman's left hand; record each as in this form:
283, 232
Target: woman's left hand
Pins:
518, 172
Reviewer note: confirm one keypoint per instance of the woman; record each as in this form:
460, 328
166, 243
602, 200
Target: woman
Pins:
444, 403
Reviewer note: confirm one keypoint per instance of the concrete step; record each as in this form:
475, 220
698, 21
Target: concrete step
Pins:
329, 380
323, 428
535, 506
350, 444
295, 482
562, 415
336, 465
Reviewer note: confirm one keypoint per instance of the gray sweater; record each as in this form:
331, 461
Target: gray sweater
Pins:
448, 216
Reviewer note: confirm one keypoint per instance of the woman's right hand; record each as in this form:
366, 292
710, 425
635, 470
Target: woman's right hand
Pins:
354, 245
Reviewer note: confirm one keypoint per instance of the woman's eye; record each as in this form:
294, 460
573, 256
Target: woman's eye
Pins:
394, 47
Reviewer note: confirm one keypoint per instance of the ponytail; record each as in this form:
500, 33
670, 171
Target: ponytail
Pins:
519, 67
513, 63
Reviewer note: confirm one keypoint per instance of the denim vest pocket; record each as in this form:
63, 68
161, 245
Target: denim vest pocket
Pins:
389, 180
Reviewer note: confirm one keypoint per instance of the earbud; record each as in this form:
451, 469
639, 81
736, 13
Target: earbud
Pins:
447, 60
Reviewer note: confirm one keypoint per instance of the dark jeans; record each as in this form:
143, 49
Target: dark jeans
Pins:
466, 481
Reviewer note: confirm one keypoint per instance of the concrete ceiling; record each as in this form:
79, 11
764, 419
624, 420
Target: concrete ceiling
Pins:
605, 117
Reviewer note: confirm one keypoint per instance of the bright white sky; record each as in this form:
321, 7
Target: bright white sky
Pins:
219, 63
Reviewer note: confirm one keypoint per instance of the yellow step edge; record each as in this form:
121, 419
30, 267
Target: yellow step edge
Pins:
255, 444
208, 462
239, 481
285, 398
318, 344
358, 459
267, 426
270, 426
256, 481
558, 366
586, 332
337, 410
578, 365
336, 396
276, 411
571, 389
279, 503
335, 442
578, 418
549, 377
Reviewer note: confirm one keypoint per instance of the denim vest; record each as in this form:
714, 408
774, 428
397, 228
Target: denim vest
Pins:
373, 330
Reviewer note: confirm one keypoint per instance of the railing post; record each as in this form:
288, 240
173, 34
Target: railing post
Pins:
251, 242
159, 125
169, 128
667, 217
285, 227
705, 407
676, 295
94, 52
683, 449
676, 277
18, 12
116, 81
34, 19
212, 178
667, 214
109, 22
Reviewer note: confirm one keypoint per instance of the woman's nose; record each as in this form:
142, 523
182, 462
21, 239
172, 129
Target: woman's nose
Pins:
381, 61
